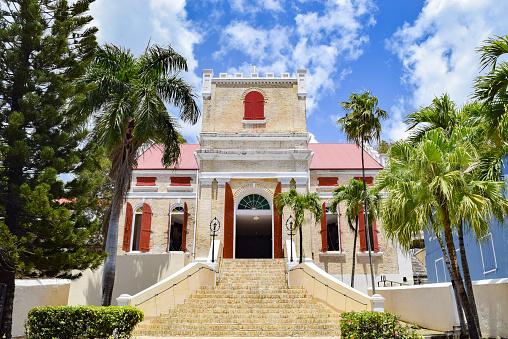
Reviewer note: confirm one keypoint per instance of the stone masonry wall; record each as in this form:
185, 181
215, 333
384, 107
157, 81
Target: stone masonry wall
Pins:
385, 264
283, 110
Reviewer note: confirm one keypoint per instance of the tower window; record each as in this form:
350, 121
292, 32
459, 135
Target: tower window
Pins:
254, 106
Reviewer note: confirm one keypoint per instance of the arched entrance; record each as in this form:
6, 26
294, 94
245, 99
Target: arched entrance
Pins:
253, 227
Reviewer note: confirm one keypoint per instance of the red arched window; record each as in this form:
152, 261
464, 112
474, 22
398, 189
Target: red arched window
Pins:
254, 106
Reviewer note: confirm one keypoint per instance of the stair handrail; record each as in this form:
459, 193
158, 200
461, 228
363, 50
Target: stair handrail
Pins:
326, 285
175, 284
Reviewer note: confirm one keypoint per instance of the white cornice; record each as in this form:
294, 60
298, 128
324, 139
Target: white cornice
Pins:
254, 136
253, 155
283, 177
152, 172
253, 80
168, 195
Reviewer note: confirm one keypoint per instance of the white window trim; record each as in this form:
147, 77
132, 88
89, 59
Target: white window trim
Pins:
444, 269
338, 229
132, 227
493, 252
169, 228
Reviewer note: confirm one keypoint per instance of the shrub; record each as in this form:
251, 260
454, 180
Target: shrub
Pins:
75, 322
373, 325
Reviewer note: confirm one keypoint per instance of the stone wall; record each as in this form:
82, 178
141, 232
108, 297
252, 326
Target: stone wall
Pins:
283, 110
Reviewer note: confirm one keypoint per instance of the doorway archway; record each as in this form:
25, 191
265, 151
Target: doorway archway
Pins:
253, 226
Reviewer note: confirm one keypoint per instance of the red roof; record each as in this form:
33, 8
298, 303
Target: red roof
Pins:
340, 156
151, 159
326, 157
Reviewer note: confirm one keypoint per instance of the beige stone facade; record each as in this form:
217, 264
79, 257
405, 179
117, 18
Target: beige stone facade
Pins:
238, 158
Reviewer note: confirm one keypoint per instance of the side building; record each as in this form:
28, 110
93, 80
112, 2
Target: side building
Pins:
253, 145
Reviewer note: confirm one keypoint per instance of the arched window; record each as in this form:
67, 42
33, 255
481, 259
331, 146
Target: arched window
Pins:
330, 230
137, 228
177, 231
254, 106
254, 202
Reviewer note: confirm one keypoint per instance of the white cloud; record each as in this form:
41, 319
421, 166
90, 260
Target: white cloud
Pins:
133, 24
320, 41
254, 6
313, 139
438, 50
395, 128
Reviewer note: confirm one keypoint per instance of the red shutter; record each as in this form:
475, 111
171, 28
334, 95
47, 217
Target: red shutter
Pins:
361, 232
146, 225
127, 228
374, 237
368, 180
145, 181
327, 181
229, 222
184, 227
254, 106
324, 231
180, 181
277, 227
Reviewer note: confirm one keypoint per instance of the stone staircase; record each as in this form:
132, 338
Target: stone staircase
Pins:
251, 299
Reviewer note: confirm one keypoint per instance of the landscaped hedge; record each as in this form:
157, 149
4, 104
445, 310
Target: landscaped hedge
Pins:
373, 325
75, 322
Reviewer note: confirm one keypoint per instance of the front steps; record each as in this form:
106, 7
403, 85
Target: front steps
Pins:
251, 299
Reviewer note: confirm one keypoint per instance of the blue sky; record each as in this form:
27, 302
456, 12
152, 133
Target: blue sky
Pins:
405, 52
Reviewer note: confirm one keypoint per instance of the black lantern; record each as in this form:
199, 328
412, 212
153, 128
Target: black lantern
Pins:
214, 227
289, 226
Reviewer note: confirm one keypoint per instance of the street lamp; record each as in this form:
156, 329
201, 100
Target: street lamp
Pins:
214, 227
289, 226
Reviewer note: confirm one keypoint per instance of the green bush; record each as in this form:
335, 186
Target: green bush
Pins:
75, 322
373, 325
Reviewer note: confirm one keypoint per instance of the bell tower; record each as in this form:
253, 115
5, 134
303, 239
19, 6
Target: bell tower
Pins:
253, 144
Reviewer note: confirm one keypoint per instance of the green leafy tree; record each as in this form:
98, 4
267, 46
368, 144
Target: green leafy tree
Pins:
362, 125
352, 194
383, 146
299, 203
432, 185
44, 47
128, 107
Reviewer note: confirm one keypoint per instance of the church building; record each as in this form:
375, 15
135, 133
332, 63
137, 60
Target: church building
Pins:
254, 145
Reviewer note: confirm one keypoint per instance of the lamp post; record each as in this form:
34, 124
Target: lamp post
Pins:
214, 227
289, 226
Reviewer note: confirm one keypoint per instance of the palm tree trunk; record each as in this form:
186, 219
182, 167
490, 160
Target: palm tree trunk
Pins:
473, 331
460, 310
108, 276
301, 243
121, 165
366, 219
467, 278
354, 255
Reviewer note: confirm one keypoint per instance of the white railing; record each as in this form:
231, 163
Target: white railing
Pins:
173, 290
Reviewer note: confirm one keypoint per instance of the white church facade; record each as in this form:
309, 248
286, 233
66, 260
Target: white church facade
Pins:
253, 145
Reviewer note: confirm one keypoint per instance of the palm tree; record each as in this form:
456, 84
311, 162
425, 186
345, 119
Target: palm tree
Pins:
491, 89
432, 185
299, 203
362, 124
352, 194
129, 112
443, 114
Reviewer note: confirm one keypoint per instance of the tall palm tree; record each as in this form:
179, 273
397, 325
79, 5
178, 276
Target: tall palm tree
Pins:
352, 194
299, 203
432, 185
128, 107
362, 124
443, 114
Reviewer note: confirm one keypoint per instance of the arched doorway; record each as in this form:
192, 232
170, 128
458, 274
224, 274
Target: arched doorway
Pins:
253, 231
